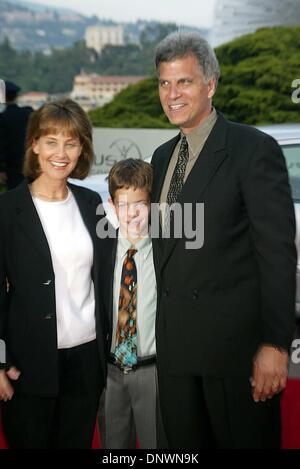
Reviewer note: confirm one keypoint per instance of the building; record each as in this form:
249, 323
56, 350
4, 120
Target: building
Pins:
96, 37
91, 91
35, 99
234, 18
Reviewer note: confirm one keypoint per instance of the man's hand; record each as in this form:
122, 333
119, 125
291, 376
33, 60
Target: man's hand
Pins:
6, 389
270, 371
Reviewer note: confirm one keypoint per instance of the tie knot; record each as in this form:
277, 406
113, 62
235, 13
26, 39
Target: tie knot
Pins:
183, 140
131, 252
184, 149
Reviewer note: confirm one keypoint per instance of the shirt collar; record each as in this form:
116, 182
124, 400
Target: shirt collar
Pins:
143, 246
199, 135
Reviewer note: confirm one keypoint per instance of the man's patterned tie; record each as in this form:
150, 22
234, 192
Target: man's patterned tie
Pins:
176, 183
126, 334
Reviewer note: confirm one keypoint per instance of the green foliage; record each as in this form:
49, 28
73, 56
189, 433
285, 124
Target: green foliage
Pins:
39, 72
55, 73
254, 88
257, 73
255, 85
137, 106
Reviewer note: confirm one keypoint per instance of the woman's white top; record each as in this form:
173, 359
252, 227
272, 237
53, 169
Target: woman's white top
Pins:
71, 250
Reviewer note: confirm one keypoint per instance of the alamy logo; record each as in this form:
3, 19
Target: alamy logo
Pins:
186, 221
2, 351
295, 354
296, 93
2, 92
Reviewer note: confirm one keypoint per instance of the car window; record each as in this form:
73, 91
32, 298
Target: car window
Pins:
292, 155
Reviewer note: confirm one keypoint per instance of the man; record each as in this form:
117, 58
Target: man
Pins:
13, 123
225, 318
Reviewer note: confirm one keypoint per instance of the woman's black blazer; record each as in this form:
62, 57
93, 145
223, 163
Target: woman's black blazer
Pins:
27, 289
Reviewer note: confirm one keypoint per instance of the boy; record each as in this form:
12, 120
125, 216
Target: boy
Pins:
130, 296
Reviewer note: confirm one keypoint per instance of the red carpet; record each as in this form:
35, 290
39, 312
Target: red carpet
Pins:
290, 415
3, 444
97, 438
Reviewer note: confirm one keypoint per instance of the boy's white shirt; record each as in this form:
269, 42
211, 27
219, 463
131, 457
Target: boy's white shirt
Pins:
146, 293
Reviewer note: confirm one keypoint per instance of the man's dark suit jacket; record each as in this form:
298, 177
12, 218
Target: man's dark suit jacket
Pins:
13, 124
27, 310
220, 302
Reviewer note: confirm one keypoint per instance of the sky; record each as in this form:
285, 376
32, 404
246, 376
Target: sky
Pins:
197, 13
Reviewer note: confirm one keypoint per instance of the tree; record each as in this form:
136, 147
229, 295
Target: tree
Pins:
255, 84
55, 73
137, 106
257, 73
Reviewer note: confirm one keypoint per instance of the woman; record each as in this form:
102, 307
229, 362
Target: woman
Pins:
49, 313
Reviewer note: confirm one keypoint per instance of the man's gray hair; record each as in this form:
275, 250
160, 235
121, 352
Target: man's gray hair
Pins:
182, 44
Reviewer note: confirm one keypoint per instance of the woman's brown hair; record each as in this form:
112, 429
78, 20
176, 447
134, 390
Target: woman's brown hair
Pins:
60, 116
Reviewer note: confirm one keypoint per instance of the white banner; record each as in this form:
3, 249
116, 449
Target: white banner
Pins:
2, 92
112, 145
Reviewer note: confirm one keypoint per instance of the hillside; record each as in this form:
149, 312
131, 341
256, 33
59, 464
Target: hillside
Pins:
257, 71
55, 73
41, 28
36, 27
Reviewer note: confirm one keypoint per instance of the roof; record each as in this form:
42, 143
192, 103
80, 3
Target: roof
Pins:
95, 79
34, 95
282, 132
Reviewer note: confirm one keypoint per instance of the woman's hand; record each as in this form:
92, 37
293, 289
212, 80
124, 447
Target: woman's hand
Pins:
6, 389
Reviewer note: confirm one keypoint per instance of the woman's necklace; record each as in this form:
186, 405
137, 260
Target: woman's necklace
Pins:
51, 198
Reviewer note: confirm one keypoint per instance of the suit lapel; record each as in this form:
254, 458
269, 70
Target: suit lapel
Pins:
208, 162
30, 223
111, 273
160, 172
206, 166
107, 267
